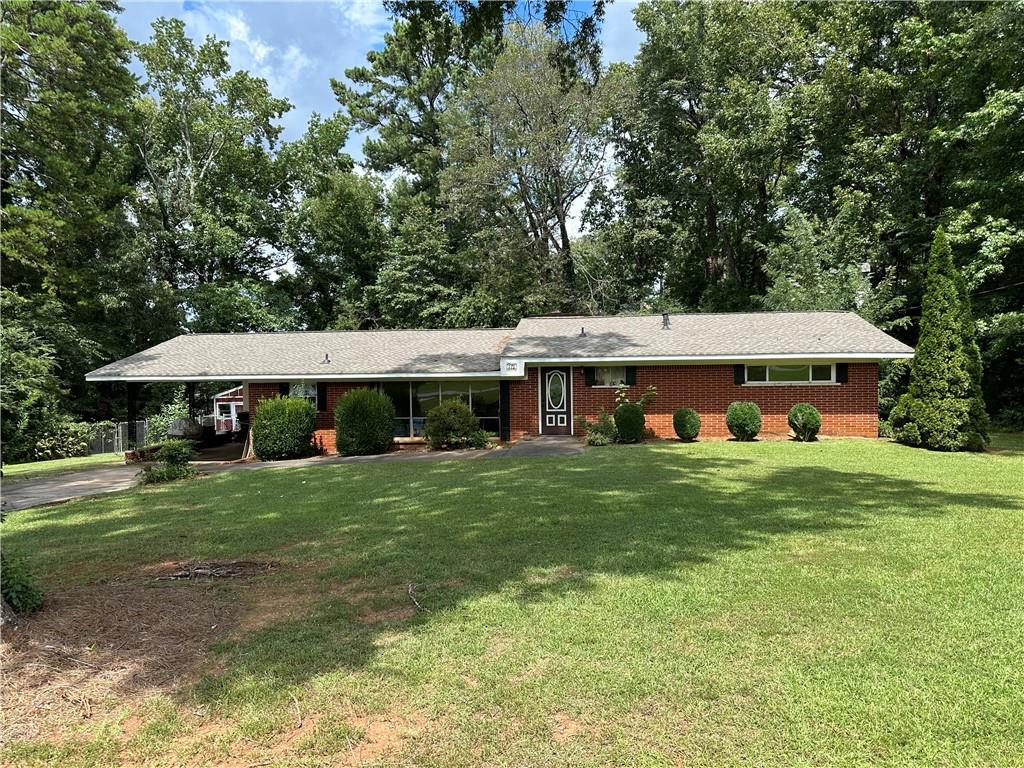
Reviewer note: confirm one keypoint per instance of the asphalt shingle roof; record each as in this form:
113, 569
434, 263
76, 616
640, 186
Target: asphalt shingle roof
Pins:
698, 335
441, 352
301, 354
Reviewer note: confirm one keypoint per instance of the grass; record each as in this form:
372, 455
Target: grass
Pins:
834, 603
34, 469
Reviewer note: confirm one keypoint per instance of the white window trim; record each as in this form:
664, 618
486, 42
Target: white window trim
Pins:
831, 382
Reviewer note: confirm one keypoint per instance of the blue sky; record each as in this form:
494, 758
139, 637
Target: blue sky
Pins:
299, 46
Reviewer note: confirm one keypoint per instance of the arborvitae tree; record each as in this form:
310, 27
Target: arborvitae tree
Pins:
943, 409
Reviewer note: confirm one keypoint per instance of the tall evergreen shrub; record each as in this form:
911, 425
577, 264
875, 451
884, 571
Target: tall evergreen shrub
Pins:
283, 428
943, 409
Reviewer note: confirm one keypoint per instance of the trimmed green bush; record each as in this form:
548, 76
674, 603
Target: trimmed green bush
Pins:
283, 428
805, 421
364, 423
686, 423
943, 409
19, 586
629, 422
744, 420
451, 425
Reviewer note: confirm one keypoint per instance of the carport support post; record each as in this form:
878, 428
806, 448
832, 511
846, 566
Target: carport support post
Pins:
131, 398
190, 391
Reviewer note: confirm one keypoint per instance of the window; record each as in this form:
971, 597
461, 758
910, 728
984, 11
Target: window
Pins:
413, 400
224, 410
306, 391
610, 376
790, 374
486, 397
398, 393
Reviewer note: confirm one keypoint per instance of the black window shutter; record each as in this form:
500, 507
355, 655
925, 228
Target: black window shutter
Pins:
589, 374
321, 396
284, 388
842, 372
739, 374
630, 375
504, 411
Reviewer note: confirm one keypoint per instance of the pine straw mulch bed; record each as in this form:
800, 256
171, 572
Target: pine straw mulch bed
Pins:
96, 648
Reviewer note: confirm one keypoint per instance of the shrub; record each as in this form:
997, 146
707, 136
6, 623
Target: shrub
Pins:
943, 408
165, 473
686, 423
885, 428
19, 587
805, 421
63, 439
364, 423
173, 456
450, 425
629, 422
600, 432
176, 453
480, 439
283, 428
743, 420
158, 426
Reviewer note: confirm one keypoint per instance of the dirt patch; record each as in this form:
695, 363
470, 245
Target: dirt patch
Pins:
381, 737
94, 649
566, 727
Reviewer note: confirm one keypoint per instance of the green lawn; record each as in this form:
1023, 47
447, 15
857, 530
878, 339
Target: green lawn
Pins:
34, 469
837, 603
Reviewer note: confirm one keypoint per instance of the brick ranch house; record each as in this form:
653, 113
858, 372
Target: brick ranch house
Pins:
539, 377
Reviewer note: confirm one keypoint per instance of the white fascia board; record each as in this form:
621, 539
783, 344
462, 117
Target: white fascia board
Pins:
303, 377
668, 359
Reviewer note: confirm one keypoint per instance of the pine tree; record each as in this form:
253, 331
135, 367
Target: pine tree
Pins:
943, 409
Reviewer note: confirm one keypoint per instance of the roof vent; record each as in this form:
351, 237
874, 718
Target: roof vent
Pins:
583, 331
327, 359
664, 321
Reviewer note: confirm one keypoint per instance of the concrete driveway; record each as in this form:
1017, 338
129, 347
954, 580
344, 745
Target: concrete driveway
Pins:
22, 494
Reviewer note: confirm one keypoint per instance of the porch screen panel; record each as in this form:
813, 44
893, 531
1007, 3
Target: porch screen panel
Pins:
398, 393
426, 396
486, 404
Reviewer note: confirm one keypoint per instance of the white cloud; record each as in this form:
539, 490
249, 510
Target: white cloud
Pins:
247, 50
365, 16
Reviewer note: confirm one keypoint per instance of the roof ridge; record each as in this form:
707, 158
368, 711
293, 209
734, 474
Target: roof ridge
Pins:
696, 314
343, 330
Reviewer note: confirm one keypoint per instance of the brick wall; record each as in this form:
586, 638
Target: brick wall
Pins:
323, 436
849, 409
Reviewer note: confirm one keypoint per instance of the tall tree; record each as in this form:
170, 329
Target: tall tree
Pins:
943, 409
525, 149
708, 133
334, 232
65, 171
210, 205
403, 92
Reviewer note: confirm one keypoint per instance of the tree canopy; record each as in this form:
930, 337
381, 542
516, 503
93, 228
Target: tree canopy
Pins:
752, 156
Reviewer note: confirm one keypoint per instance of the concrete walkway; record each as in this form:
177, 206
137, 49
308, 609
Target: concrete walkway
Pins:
22, 494
548, 445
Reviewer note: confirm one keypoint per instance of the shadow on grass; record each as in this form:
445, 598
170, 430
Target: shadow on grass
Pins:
533, 528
